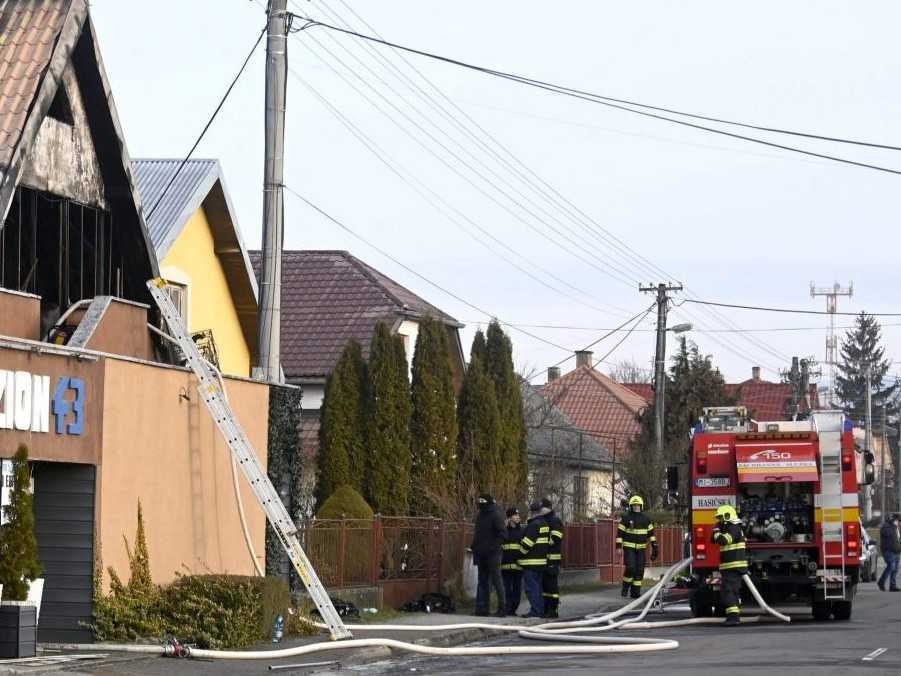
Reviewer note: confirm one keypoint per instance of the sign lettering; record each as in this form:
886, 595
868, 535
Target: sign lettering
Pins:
26, 406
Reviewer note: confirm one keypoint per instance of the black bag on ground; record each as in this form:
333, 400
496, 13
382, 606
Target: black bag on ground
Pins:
343, 608
430, 603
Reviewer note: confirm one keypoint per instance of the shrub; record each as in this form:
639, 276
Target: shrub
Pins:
19, 562
212, 611
345, 503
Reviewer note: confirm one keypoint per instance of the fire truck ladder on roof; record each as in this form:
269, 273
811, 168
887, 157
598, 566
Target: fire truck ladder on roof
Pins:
213, 394
829, 426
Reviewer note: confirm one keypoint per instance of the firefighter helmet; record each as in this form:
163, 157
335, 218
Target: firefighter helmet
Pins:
727, 512
636, 500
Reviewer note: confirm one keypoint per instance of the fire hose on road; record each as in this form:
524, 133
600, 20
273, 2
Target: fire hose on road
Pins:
572, 634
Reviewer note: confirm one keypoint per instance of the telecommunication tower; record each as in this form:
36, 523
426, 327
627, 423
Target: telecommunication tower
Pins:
831, 295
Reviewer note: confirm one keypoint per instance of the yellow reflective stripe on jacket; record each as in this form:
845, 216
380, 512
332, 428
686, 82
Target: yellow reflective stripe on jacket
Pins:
528, 542
510, 566
511, 546
733, 564
634, 545
557, 534
555, 557
727, 537
532, 562
729, 548
635, 531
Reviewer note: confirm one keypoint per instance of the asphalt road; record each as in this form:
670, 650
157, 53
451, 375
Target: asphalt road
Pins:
804, 647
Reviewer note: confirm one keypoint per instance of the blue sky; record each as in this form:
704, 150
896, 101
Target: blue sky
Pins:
735, 222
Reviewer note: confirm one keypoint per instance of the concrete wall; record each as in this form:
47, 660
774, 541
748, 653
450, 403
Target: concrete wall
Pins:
165, 450
20, 315
210, 302
123, 330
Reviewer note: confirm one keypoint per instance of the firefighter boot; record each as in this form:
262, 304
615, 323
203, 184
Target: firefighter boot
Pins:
625, 591
635, 592
732, 620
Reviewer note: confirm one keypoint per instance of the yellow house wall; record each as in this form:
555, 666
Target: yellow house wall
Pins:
210, 303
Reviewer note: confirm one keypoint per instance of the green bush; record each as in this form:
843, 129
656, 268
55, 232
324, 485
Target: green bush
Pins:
211, 611
345, 503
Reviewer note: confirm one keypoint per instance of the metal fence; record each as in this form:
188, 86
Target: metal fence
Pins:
424, 554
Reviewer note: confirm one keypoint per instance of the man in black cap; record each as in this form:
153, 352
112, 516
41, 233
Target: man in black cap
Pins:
550, 582
510, 569
487, 539
533, 558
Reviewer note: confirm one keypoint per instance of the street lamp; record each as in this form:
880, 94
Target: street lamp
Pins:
681, 328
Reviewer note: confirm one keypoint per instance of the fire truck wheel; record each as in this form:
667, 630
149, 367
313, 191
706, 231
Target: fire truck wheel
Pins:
820, 611
842, 610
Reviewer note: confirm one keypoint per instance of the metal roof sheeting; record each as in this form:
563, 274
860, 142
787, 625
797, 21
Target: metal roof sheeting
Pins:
180, 201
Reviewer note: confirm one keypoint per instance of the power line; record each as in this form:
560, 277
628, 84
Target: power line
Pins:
607, 101
533, 180
406, 267
790, 310
527, 175
567, 327
207, 125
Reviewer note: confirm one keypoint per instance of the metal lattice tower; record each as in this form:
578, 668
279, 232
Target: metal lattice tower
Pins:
831, 295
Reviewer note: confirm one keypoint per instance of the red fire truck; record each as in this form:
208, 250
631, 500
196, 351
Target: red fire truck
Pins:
794, 485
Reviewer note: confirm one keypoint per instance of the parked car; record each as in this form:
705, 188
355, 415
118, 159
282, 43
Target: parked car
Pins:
869, 556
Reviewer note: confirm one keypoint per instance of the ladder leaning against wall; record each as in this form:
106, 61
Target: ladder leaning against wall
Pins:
211, 390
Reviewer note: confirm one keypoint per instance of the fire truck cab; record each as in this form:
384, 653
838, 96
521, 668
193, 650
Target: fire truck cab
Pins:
794, 485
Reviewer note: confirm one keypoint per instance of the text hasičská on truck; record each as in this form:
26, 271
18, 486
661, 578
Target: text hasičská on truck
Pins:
795, 486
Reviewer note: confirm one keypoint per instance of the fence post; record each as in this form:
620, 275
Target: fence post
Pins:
342, 553
375, 559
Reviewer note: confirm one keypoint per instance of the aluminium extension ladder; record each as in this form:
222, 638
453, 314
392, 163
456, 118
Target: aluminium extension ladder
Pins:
211, 391
829, 425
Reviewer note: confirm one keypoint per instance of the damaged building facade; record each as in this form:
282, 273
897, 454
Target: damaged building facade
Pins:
87, 383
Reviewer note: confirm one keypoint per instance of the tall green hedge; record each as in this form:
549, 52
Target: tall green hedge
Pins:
284, 466
479, 436
433, 427
342, 442
387, 486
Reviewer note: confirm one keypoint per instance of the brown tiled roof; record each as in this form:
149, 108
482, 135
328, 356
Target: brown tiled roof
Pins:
596, 403
763, 399
331, 297
29, 30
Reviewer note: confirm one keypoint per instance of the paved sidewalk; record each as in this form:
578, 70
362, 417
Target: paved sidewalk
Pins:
573, 605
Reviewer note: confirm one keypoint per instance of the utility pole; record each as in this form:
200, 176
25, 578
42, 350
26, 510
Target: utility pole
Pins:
831, 295
660, 359
882, 466
269, 329
868, 490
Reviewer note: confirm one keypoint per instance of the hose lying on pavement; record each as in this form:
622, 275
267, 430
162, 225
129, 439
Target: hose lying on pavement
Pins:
570, 632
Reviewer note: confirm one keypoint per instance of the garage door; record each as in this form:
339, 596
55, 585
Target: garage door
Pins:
64, 523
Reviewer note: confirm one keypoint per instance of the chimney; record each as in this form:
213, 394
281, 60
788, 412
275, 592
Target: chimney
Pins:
755, 373
553, 373
583, 358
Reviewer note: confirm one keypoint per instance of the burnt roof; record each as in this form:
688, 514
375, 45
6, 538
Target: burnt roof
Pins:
331, 297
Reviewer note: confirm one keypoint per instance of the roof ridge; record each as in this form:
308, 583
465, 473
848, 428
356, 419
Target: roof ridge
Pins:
619, 391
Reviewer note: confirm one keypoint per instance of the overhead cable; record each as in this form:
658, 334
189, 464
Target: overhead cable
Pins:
790, 310
608, 101
207, 125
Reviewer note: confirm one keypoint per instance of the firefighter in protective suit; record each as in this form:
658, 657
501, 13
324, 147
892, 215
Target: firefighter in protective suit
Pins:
733, 560
634, 534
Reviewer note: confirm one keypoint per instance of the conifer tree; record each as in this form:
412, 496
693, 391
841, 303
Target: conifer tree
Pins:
512, 485
19, 562
861, 347
478, 439
139, 560
433, 427
342, 433
387, 486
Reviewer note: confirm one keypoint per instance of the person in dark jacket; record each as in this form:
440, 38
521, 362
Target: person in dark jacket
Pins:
729, 535
533, 558
890, 546
510, 569
550, 583
635, 534
487, 540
